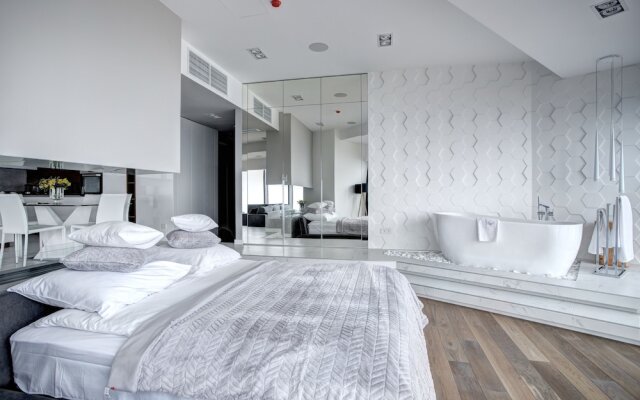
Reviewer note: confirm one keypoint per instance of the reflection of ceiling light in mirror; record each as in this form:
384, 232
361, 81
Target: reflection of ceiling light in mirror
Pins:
385, 39
351, 123
257, 53
318, 47
297, 97
319, 124
340, 95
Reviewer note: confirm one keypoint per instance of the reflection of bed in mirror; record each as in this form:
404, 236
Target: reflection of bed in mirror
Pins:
341, 228
321, 220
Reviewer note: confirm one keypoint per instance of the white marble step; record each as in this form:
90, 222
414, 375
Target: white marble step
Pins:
576, 293
528, 300
626, 332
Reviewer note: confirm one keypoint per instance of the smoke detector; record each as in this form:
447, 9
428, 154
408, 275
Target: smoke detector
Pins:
609, 8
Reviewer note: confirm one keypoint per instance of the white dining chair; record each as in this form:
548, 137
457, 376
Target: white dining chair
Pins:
111, 207
14, 221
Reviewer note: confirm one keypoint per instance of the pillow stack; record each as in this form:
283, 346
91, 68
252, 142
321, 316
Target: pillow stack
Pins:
108, 275
113, 246
193, 232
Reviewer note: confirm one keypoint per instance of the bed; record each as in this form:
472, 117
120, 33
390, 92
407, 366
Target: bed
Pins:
245, 329
338, 227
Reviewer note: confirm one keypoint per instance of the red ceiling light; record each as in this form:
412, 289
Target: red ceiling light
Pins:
276, 3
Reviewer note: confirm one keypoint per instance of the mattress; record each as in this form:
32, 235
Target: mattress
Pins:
318, 227
75, 364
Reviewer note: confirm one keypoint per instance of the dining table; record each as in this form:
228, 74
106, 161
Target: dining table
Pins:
74, 212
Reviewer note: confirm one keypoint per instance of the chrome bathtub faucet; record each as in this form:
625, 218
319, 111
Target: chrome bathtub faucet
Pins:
545, 212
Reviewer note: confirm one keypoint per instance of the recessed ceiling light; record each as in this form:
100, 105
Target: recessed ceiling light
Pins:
257, 53
318, 47
351, 122
319, 124
385, 39
340, 95
297, 97
216, 116
608, 8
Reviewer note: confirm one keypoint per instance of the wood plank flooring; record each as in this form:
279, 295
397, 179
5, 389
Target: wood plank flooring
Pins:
478, 355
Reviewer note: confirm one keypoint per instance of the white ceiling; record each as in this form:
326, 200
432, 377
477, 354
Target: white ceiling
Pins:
565, 36
426, 32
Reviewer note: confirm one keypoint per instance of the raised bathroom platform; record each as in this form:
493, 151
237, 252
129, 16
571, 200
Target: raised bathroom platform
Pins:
601, 306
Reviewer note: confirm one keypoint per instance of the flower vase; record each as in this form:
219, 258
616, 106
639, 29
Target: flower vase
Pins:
56, 194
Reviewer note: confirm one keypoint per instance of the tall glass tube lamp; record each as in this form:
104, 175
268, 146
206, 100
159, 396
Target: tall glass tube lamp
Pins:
608, 118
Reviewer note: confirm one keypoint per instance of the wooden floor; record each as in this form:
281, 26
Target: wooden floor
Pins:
479, 355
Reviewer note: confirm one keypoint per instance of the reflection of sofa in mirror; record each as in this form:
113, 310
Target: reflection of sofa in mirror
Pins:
255, 216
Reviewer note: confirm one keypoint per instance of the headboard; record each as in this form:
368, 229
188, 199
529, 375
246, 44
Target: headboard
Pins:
16, 312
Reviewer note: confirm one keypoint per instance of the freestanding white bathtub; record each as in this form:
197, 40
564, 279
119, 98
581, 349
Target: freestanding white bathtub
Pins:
532, 247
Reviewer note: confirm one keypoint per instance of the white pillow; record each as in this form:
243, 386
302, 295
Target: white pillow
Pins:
318, 204
118, 234
201, 260
327, 217
194, 222
103, 292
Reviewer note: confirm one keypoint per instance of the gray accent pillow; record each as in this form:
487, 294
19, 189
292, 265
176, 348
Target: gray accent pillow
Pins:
180, 239
112, 259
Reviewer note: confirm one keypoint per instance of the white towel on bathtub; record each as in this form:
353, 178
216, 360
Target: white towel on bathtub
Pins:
487, 229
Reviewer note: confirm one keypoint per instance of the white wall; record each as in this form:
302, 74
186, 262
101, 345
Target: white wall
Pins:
563, 140
447, 138
488, 139
114, 183
196, 186
194, 190
349, 171
323, 167
301, 154
155, 200
91, 81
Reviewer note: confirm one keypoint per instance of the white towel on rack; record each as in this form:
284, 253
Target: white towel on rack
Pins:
626, 230
487, 229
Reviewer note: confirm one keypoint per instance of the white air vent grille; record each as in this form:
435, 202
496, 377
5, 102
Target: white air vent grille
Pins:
202, 70
261, 110
218, 80
198, 67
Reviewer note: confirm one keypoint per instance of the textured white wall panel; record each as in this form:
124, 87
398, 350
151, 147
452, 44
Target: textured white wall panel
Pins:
487, 139
447, 139
563, 139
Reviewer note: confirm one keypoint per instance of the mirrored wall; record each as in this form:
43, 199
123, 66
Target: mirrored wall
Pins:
304, 174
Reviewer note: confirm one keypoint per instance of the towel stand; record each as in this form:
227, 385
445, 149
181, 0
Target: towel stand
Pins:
607, 216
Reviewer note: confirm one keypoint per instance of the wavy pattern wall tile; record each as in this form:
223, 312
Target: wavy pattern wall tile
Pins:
563, 139
486, 139
447, 138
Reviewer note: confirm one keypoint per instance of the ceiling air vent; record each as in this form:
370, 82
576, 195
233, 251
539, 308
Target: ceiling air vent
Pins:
218, 80
201, 69
260, 109
607, 9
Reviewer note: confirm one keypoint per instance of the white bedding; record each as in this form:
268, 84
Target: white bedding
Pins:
75, 363
203, 260
318, 227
